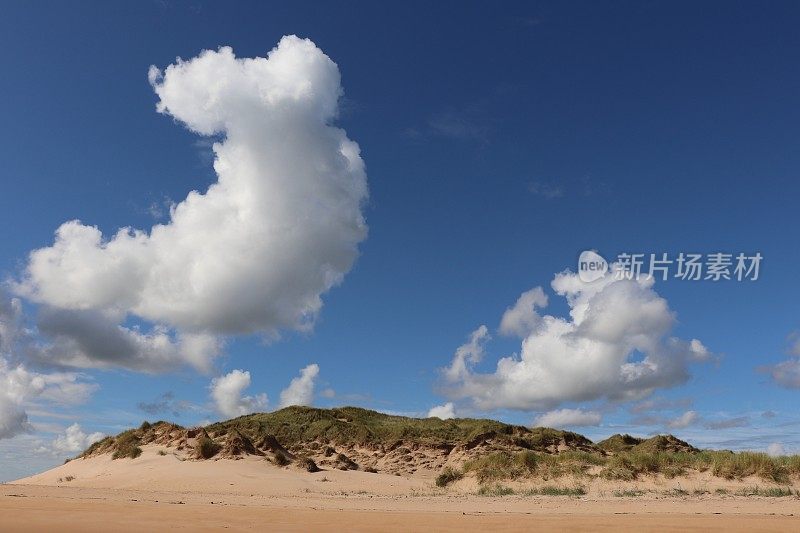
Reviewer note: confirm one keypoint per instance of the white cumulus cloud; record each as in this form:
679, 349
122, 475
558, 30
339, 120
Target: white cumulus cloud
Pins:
301, 389
614, 345
74, 440
227, 390
521, 319
445, 412
255, 252
468, 354
561, 418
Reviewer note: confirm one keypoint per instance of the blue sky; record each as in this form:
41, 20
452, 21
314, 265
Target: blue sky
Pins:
499, 143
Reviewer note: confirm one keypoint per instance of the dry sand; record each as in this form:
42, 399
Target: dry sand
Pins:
157, 493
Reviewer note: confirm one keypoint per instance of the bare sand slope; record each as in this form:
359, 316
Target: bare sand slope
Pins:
245, 476
159, 493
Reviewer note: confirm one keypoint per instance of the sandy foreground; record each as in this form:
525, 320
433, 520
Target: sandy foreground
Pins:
158, 493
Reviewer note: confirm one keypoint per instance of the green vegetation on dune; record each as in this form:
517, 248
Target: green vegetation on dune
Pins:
127, 445
631, 465
618, 443
353, 425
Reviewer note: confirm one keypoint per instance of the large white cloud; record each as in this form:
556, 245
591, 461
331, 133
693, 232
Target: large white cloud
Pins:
253, 253
301, 389
615, 345
226, 391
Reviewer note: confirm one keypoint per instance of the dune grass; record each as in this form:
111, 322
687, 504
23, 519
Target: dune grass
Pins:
447, 476
769, 492
630, 465
207, 448
495, 490
550, 490
502, 465
126, 446
629, 493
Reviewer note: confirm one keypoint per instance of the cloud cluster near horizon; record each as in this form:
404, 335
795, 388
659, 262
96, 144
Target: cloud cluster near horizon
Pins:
227, 392
75, 440
252, 254
615, 346
443, 412
21, 387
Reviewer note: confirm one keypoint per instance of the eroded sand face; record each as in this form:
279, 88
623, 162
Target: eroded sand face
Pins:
160, 492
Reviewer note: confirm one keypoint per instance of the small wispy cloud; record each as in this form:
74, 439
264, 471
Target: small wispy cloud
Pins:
459, 124
737, 422
660, 404
786, 374
545, 190
167, 403
561, 418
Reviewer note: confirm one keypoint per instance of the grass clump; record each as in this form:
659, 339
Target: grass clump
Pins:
307, 464
206, 448
619, 468
447, 476
502, 465
744, 464
127, 445
495, 490
770, 492
550, 490
162, 452
676, 492
281, 459
102, 443
629, 493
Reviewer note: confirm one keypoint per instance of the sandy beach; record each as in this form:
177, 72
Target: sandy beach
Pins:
39, 508
159, 493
